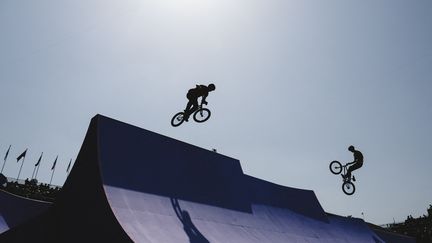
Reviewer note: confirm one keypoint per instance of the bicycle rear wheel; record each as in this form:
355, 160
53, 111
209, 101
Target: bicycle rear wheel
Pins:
177, 119
202, 115
335, 167
348, 188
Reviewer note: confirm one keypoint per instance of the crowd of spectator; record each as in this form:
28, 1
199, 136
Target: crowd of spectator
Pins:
420, 228
32, 189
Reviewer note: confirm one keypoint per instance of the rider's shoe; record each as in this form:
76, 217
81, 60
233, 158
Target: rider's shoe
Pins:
185, 117
353, 178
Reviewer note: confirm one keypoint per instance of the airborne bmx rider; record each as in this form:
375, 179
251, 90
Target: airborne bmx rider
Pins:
356, 164
193, 95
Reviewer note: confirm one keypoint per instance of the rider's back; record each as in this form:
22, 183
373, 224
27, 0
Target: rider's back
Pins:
358, 156
199, 90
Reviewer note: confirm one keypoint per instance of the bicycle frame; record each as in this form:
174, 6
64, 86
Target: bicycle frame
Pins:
345, 170
198, 108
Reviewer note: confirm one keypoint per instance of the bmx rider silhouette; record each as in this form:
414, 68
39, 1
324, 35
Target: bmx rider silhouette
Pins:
356, 164
193, 95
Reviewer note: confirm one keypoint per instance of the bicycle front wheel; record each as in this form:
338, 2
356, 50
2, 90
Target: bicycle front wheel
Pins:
335, 167
177, 119
348, 188
202, 115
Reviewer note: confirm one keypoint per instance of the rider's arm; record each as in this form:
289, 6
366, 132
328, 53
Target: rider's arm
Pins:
203, 100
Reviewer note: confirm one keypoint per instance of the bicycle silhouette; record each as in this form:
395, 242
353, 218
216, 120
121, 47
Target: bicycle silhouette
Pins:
200, 115
347, 186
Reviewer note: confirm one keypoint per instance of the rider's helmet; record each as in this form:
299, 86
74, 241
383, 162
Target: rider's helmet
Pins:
211, 87
351, 148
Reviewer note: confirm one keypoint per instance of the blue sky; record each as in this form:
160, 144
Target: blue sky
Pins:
297, 83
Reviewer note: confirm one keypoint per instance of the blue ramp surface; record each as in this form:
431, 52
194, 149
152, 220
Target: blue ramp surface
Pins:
132, 185
141, 160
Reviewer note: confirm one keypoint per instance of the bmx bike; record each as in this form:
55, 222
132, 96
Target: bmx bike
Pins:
347, 186
200, 115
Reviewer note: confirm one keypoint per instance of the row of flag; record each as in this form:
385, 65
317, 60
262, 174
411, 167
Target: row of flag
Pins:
36, 169
23, 154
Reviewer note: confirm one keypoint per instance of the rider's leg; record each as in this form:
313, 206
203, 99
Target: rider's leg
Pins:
190, 102
353, 168
191, 106
194, 107
188, 106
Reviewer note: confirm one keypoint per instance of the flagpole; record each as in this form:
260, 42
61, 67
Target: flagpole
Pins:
37, 170
4, 163
53, 169
33, 172
52, 175
68, 168
20, 168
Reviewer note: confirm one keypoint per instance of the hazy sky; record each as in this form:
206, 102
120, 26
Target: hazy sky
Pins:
297, 83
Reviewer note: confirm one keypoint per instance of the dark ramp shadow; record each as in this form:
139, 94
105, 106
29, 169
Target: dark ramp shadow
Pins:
191, 231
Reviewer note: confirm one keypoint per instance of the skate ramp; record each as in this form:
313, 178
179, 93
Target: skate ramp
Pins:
132, 185
140, 160
154, 183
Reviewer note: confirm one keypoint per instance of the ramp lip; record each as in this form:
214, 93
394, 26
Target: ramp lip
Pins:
282, 186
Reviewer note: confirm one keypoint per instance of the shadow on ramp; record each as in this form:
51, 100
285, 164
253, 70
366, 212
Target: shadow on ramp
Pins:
190, 229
